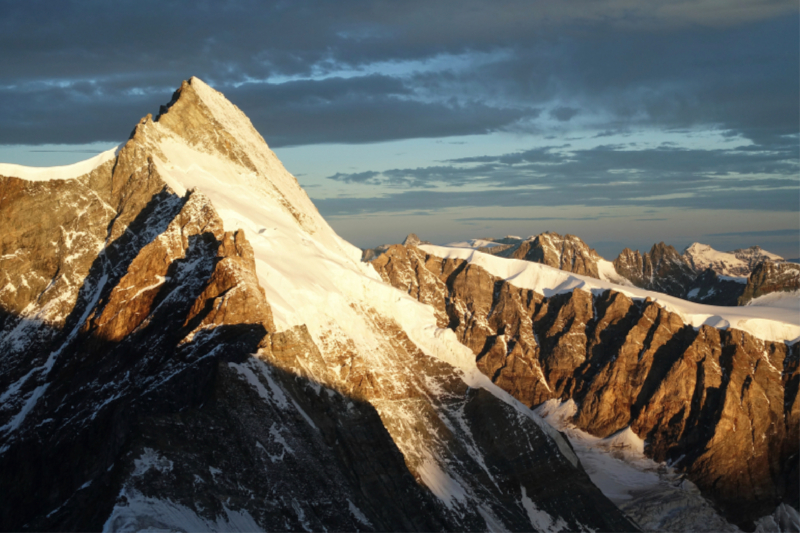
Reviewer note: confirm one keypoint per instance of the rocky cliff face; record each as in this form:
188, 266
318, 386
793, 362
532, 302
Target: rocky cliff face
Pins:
663, 269
712, 289
769, 277
567, 253
169, 361
754, 256
721, 405
701, 274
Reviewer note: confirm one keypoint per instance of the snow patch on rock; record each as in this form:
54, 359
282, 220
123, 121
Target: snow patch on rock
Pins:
653, 494
137, 512
150, 459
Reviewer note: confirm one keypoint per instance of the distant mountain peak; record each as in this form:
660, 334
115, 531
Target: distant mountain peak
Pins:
411, 240
737, 263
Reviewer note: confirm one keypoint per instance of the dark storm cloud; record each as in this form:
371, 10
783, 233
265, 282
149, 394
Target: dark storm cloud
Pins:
360, 110
82, 113
563, 113
79, 71
355, 110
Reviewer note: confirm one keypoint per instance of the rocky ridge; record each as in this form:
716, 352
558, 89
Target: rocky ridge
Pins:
700, 274
711, 288
769, 277
566, 252
721, 405
174, 364
662, 269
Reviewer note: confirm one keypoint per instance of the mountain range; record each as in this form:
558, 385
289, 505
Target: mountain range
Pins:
186, 344
700, 274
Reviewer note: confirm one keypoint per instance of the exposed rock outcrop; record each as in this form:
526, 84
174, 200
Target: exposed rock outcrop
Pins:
771, 277
663, 269
721, 405
754, 256
368, 254
712, 289
566, 252
701, 274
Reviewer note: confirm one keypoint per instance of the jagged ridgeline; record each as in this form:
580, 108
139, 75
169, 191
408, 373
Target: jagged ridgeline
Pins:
700, 274
185, 344
714, 395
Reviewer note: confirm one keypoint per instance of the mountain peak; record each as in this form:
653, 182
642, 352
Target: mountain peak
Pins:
201, 129
206, 119
738, 263
696, 247
411, 240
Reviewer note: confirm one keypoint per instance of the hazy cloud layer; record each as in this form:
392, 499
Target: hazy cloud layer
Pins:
790, 232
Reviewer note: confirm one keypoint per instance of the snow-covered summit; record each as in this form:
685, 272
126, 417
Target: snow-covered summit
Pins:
313, 278
737, 263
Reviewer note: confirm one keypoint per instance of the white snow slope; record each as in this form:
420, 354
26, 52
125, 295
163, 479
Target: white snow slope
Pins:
57, 173
763, 321
474, 243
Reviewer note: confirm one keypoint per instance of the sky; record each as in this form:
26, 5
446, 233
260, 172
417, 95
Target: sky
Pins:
624, 122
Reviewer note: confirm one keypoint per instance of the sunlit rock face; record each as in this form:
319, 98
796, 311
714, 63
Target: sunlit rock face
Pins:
186, 344
662, 269
770, 277
722, 405
568, 253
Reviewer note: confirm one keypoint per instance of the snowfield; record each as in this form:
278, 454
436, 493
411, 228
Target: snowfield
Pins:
474, 243
789, 300
769, 322
58, 173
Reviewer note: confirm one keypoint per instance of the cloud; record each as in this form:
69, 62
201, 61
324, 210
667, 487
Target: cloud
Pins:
791, 232
525, 219
744, 199
608, 170
357, 110
356, 177
662, 177
360, 71
563, 113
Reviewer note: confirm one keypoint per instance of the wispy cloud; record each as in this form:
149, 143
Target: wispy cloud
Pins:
756, 177
527, 219
789, 232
